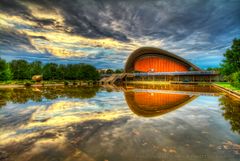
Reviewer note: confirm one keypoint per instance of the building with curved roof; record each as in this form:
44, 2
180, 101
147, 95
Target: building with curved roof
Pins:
153, 64
150, 59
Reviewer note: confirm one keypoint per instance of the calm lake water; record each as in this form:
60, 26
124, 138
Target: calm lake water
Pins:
131, 123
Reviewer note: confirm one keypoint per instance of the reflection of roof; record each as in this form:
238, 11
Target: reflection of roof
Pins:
154, 104
151, 50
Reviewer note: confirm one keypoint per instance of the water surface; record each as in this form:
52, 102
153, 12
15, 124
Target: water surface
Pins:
135, 123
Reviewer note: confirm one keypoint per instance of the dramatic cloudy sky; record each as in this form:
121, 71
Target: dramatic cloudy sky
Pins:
105, 32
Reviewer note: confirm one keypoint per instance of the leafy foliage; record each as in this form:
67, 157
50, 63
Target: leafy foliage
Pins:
36, 68
50, 71
5, 72
31, 94
231, 63
235, 79
231, 112
230, 67
22, 70
109, 71
119, 71
213, 69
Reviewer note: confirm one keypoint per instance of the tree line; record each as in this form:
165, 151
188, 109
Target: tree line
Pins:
111, 71
23, 70
51, 94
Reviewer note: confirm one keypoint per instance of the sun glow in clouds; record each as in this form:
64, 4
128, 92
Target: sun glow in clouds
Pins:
59, 114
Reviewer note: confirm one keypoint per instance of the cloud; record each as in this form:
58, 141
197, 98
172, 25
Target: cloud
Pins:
14, 40
64, 29
39, 37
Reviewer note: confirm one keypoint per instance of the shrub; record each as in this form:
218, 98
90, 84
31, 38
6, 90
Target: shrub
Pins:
235, 79
28, 84
66, 83
5, 72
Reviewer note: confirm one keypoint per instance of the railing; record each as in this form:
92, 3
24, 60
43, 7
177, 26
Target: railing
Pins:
168, 73
176, 73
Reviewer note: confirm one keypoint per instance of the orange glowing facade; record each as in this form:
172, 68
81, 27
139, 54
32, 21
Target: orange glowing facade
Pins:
152, 100
149, 104
159, 64
149, 59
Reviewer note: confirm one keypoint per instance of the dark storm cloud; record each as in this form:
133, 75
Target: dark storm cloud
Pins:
16, 8
82, 23
170, 19
39, 37
13, 40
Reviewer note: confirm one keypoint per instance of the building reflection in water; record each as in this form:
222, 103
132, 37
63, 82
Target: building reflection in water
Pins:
154, 100
143, 100
149, 104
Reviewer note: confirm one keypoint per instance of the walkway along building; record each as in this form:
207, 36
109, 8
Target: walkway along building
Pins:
153, 64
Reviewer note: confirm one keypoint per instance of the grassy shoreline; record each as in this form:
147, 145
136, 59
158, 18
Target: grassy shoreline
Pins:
24, 83
228, 86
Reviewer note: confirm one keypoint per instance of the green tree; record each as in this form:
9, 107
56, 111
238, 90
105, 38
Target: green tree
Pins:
50, 71
230, 67
235, 79
20, 69
109, 71
62, 72
88, 72
231, 63
213, 69
5, 72
36, 68
80, 72
71, 72
119, 71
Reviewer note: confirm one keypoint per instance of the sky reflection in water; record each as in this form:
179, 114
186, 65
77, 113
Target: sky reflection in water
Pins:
134, 123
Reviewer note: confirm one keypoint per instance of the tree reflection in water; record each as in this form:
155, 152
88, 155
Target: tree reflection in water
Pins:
231, 112
23, 95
